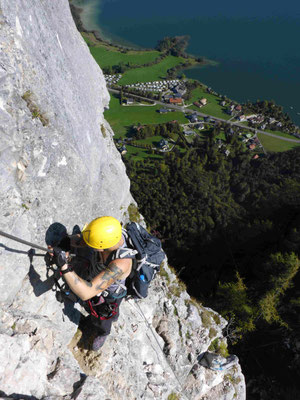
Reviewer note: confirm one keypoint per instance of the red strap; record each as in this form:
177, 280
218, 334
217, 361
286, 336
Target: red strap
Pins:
94, 313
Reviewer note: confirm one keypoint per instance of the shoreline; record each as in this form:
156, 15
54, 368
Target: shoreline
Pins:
76, 13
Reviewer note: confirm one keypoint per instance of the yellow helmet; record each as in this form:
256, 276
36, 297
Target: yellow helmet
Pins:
102, 233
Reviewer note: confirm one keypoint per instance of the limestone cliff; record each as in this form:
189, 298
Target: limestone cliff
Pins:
58, 163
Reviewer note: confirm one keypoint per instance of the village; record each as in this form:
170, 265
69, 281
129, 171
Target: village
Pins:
171, 95
172, 92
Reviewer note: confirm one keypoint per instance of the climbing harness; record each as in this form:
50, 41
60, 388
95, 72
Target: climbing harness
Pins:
182, 392
23, 241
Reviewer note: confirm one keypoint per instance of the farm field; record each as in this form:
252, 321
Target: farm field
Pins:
152, 73
272, 144
138, 154
107, 56
278, 133
212, 108
122, 118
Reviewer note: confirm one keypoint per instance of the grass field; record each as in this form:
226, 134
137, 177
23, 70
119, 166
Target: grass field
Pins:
108, 55
137, 154
212, 108
122, 118
272, 144
155, 72
278, 133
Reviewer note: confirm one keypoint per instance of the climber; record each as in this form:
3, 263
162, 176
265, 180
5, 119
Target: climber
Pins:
105, 287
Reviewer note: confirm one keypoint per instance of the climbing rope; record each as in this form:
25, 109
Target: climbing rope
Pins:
22, 241
182, 392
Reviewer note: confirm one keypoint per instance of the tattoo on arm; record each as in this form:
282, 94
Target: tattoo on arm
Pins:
111, 274
77, 279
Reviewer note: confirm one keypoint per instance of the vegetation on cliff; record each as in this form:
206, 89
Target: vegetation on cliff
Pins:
231, 226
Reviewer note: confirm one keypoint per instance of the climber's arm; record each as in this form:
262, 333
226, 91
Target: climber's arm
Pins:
117, 269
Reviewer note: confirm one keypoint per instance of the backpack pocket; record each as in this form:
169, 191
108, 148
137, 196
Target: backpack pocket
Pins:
141, 281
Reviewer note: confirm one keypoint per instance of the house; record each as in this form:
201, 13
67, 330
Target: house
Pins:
248, 135
219, 143
223, 103
242, 118
138, 127
203, 101
200, 126
123, 150
189, 132
163, 144
129, 101
227, 152
251, 117
252, 146
179, 90
175, 101
255, 157
238, 108
194, 119
197, 104
163, 110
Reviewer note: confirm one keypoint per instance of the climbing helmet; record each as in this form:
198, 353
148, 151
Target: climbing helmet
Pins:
102, 233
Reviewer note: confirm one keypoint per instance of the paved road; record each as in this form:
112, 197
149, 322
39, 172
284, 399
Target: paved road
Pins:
183, 109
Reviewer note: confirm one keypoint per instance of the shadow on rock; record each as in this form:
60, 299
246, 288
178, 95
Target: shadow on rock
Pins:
40, 287
16, 396
13, 251
89, 333
72, 312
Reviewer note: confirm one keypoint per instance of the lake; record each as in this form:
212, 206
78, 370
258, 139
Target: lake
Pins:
255, 44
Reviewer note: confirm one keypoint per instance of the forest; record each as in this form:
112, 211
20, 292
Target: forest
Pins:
231, 228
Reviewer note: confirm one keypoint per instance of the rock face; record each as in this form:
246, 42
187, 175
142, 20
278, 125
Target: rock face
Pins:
58, 163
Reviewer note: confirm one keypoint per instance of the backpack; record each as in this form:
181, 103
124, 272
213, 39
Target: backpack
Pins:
147, 254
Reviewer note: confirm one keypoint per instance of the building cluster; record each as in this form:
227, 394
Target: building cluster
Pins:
112, 79
263, 122
156, 86
200, 103
194, 118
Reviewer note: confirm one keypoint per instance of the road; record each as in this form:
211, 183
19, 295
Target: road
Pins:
183, 109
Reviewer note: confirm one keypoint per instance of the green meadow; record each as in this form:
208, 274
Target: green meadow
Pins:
138, 154
272, 144
152, 73
121, 118
106, 55
212, 107
282, 134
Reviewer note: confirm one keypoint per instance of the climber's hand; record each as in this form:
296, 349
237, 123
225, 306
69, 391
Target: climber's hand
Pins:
60, 257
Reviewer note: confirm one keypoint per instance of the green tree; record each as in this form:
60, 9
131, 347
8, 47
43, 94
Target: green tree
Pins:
281, 269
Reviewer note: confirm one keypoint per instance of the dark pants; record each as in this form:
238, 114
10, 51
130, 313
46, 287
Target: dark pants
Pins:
104, 325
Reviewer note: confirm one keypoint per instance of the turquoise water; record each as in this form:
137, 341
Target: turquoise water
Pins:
256, 45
